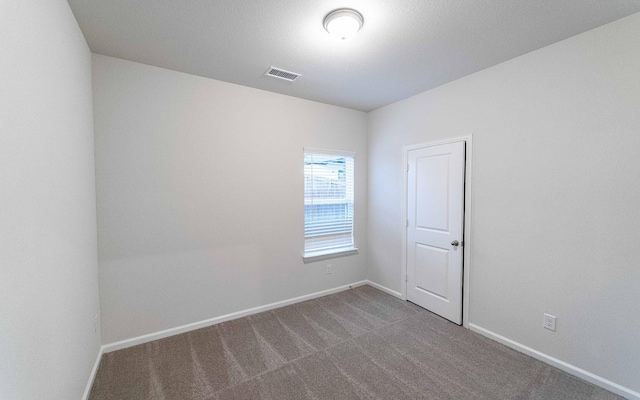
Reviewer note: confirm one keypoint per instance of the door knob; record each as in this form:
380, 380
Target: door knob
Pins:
455, 243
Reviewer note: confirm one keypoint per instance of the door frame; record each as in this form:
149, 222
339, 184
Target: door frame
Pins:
468, 242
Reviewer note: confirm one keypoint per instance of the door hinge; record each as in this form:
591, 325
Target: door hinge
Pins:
408, 165
406, 224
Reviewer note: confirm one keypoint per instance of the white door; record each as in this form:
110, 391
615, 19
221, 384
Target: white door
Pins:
435, 213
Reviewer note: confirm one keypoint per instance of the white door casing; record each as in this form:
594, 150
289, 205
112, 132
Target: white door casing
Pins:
435, 215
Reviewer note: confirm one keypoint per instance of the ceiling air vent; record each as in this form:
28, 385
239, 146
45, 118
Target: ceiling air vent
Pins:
282, 74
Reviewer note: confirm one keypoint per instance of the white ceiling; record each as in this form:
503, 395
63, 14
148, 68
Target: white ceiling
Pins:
405, 46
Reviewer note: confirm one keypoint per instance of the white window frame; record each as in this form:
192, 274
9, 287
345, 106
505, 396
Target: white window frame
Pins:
317, 255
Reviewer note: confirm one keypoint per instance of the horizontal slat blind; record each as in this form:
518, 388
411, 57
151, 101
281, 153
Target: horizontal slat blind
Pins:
328, 201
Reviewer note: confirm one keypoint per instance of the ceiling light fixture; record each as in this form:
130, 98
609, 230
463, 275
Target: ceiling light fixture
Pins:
343, 23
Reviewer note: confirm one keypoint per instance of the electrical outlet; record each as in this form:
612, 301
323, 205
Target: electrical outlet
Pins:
328, 269
549, 322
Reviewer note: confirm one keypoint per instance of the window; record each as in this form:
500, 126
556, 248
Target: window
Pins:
328, 202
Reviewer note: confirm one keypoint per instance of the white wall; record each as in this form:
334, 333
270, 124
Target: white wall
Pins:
200, 196
556, 191
48, 262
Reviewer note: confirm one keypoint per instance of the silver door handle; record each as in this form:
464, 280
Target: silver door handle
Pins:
455, 243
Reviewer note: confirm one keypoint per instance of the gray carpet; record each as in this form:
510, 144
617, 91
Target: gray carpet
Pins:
356, 344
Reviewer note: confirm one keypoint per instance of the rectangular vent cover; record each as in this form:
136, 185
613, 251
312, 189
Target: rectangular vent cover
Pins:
282, 74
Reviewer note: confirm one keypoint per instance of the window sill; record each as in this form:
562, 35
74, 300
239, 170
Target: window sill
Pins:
323, 255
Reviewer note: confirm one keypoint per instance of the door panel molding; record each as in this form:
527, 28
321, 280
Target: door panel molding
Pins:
468, 242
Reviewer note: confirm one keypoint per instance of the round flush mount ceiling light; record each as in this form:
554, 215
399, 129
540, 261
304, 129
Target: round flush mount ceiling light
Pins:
343, 23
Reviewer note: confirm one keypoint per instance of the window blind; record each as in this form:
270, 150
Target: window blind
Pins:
328, 201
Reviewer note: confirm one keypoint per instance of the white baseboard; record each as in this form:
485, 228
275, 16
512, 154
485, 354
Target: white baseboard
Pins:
123, 344
385, 289
92, 376
561, 365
